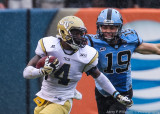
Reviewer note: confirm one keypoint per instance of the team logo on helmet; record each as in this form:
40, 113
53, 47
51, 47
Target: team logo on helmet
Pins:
66, 23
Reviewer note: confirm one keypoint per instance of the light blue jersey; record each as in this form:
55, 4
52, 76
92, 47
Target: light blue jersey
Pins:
114, 60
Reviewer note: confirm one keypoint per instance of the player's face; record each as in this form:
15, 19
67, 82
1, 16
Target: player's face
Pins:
109, 31
77, 37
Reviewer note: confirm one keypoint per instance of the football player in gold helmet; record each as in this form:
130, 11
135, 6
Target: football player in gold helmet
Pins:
75, 57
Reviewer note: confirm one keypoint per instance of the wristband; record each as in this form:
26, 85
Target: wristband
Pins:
115, 94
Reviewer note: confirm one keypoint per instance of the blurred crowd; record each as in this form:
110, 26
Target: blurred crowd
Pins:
13, 4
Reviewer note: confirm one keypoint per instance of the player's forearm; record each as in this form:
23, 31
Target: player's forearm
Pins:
148, 48
158, 48
158, 45
155, 49
105, 84
31, 72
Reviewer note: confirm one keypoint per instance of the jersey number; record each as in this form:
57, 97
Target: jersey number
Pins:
119, 60
62, 74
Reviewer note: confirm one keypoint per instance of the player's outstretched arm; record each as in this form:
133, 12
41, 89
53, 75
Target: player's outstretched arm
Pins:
148, 48
106, 85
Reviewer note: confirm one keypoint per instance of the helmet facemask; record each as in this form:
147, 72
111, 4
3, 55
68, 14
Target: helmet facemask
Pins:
110, 36
75, 39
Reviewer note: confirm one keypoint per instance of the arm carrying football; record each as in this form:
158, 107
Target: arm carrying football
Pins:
30, 72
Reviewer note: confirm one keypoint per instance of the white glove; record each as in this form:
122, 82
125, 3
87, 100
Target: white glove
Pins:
123, 99
77, 95
50, 67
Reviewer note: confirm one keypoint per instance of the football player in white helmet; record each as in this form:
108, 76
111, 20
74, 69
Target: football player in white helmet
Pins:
75, 57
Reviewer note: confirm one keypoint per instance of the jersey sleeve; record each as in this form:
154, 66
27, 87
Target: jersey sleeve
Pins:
92, 63
132, 36
140, 41
40, 50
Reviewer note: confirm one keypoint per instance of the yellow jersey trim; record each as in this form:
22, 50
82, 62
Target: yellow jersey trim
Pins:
42, 45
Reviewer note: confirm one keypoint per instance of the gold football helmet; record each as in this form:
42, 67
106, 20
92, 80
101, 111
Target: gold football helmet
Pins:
68, 28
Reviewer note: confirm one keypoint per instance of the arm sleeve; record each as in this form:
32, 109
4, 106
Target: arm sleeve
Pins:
105, 84
31, 72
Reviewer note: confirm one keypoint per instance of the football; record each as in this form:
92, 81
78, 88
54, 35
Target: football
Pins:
41, 62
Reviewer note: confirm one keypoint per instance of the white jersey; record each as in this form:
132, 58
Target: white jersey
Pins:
61, 85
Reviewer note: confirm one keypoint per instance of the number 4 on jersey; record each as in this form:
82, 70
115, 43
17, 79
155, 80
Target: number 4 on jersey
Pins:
62, 74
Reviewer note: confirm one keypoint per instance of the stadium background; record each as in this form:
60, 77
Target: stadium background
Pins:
20, 31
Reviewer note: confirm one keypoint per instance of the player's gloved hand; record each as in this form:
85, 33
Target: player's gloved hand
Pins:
46, 70
123, 99
50, 67
77, 95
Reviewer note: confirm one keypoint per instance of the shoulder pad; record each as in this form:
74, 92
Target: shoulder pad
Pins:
47, 42
127, 32
131, 36
89, 37
91, 52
